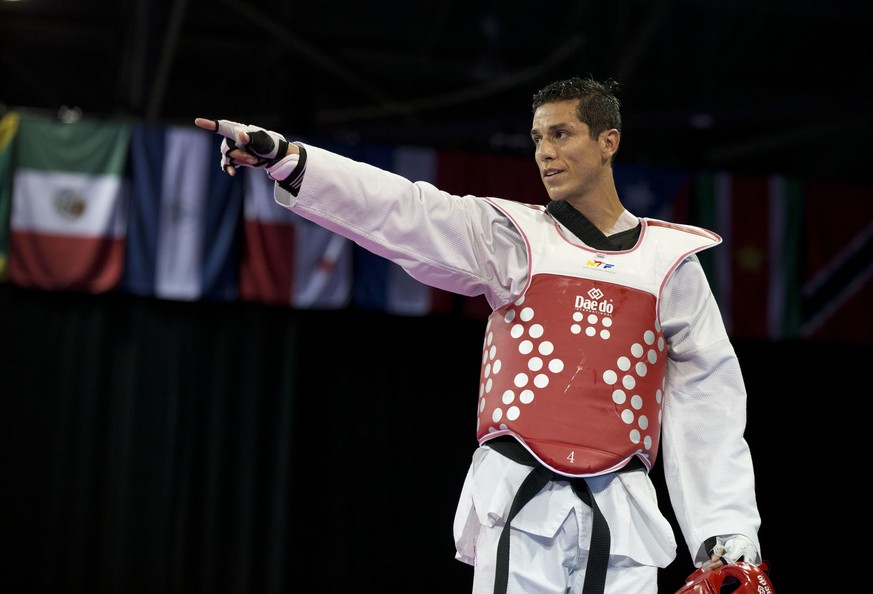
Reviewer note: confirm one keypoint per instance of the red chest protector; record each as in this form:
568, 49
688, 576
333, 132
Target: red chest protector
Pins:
575, 368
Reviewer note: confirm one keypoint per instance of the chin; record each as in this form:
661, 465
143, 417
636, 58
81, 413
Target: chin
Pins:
553, 194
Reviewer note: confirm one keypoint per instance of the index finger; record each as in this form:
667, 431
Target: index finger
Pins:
227, 128
206, 124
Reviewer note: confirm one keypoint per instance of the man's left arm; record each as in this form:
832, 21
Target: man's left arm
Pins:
707, 462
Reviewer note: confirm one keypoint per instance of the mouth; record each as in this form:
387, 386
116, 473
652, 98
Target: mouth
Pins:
549, 173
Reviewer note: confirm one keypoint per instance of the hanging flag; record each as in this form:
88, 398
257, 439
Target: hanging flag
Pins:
502, 176
288, 260
754, 273
8, 129
183, 235
657, 192
69, 202
838, 263
512, 177
404, 294
380, 284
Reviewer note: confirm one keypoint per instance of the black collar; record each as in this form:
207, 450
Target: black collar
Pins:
585, 230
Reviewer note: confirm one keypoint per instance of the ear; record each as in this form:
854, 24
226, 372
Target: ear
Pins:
609, 141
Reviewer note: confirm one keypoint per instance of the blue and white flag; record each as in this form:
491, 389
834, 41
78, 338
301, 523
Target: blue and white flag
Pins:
184, 225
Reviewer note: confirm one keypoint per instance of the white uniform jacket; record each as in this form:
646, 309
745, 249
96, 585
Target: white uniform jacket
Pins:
465, 245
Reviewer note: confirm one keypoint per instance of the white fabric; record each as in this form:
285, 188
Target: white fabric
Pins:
628, 501
552, 560
282, 168
734, 547
463, 244
264, 144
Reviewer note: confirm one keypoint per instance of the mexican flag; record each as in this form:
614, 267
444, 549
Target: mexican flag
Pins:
69, 201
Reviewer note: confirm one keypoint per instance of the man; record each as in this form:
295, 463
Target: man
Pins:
604, 349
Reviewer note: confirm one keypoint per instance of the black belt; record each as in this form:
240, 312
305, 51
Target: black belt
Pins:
539, 477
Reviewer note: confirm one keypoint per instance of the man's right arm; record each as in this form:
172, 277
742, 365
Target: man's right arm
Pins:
461, 244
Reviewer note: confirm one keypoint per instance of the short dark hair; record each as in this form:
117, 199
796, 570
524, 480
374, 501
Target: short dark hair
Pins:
598, 108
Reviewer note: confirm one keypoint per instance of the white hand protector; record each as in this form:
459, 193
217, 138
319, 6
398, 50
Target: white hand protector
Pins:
268, 147
735, 547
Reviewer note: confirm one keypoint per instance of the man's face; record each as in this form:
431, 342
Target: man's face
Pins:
571, 163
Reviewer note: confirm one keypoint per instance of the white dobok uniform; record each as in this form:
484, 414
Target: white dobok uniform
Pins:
467, 245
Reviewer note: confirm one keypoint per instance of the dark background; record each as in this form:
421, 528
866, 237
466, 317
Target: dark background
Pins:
154, 446
780, 86
159, 447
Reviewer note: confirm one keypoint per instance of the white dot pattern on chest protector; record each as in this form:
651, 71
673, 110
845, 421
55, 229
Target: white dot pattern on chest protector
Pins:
641, 356
531, 340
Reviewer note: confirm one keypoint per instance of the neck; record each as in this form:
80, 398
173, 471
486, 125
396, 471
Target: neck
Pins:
602, 209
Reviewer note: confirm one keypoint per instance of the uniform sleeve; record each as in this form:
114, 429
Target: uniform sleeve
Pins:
460, 244
707, 463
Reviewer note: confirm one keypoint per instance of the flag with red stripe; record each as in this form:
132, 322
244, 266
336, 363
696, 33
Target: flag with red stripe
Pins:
286, 259
838, 262
754, 273
69, 205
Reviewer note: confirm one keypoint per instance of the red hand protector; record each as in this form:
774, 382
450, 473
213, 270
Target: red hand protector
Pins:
740, 577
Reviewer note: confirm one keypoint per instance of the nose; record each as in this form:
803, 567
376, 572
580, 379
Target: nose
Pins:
545, 151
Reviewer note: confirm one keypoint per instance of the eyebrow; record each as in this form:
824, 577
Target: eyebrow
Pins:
552, 127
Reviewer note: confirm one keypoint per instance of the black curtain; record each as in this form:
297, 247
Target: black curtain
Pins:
159, 446
153, 446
